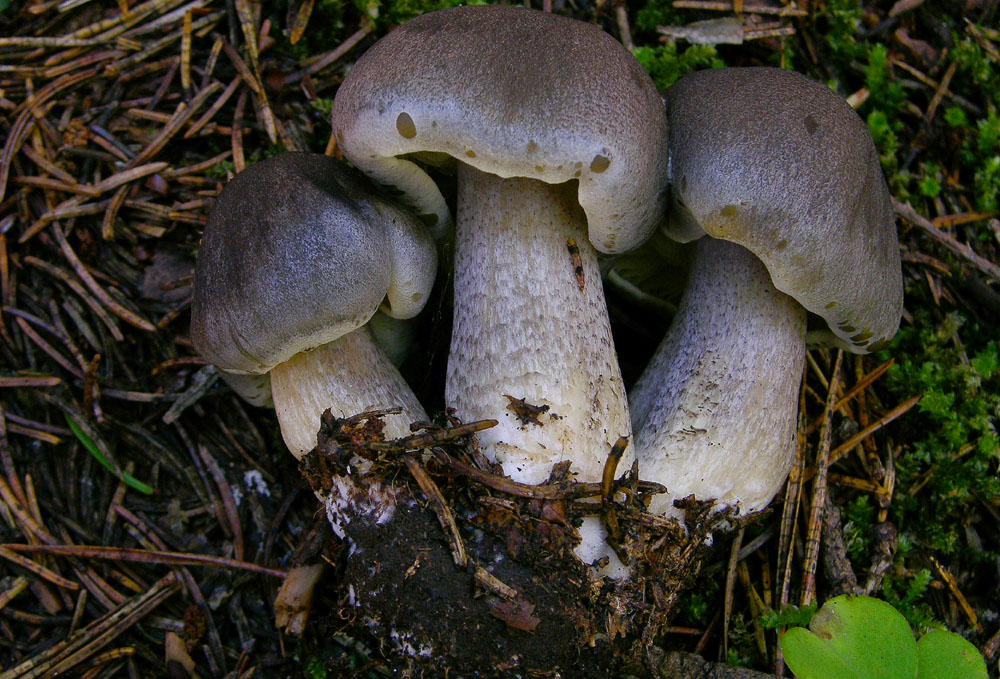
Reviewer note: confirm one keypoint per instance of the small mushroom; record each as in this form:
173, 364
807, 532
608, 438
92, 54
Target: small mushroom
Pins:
560, 137
782, 179
297, 255
393, 335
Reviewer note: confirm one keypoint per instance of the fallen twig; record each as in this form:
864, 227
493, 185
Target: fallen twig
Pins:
145, 556
66, 654
906, 211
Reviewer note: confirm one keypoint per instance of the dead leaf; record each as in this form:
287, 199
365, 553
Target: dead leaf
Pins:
516, 614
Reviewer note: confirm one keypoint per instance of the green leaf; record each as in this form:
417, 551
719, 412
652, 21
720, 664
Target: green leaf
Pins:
92, 448
852, 638
946, 655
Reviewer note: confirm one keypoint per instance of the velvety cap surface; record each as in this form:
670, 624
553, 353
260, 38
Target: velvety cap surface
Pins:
782, 165
513, 92
298, 251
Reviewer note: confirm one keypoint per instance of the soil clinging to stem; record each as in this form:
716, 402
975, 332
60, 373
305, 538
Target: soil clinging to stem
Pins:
512, 598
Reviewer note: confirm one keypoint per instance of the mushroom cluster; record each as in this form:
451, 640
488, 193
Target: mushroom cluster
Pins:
560, 148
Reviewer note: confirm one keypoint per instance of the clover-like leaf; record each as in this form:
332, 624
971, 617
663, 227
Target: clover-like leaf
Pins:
946, 655
852, 638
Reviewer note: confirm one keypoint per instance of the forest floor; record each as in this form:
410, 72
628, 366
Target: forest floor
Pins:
147, 513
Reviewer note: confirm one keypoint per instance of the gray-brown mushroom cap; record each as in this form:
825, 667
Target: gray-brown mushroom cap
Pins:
297, 252
460, 82
781, 165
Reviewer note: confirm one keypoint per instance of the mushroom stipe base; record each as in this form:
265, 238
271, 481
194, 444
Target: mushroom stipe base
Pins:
520, 603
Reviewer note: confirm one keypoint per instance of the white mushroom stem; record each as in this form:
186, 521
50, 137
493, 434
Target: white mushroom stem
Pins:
715, 410
348, 376
531, 323
254, 389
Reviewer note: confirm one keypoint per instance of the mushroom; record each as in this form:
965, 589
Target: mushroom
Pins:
393, 335
298, 253
559, 136
781, 181
254, 389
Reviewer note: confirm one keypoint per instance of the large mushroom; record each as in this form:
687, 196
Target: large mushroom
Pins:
781, 181
560, 137
298, 253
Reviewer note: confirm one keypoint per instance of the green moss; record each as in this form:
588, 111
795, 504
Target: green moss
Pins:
743, 651
955, 116
906, 592
313, 668
844, 17
225, 168
858, 518
988, 134
221, 170
953, 452
986, 362
884, 134
323, 106
395, 12
665, 65
788, 616
660, 13
784, 57
328, 27
735, 659
885, 93
979, 155
987, 183
929, 185
697, 608
975, 64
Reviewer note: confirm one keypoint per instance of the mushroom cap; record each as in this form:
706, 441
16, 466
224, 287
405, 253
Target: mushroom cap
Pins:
298, 251
517, 93
783, 166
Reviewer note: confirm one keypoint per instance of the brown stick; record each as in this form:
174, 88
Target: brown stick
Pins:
845, 447
819, 489
146, 556
906, 212
88, 280
441, 509
38, 569
67, 653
